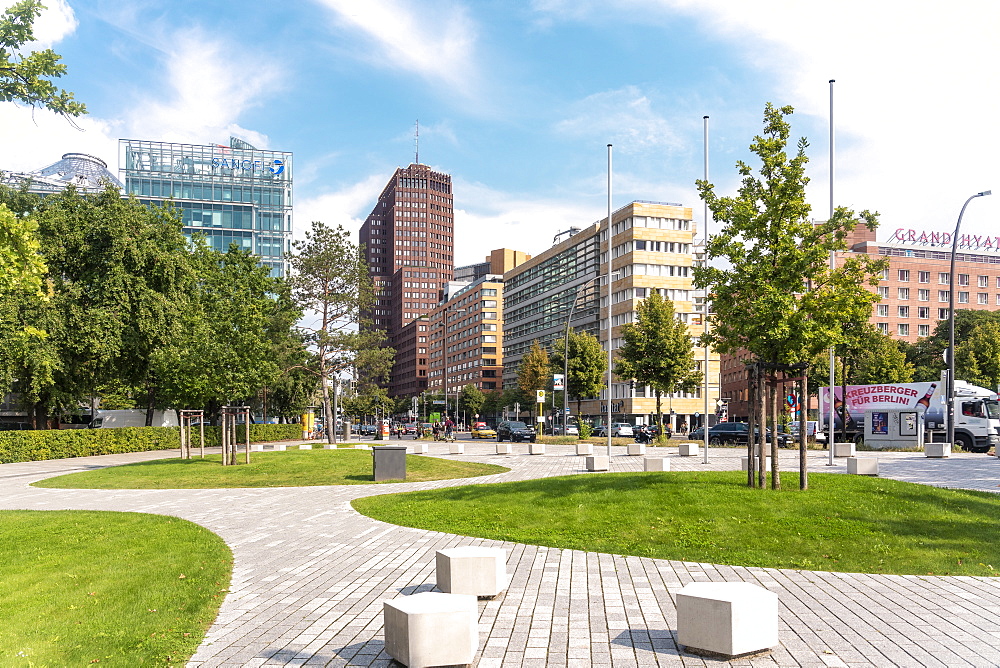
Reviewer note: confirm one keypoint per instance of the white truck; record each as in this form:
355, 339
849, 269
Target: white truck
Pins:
977, 410
132, 417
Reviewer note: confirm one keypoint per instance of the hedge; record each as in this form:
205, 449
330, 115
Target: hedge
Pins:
31, 446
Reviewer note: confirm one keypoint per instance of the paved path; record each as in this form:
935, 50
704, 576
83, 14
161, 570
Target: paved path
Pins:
310, 575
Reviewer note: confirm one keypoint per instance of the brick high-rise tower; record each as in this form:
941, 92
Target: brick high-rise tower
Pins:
409, 241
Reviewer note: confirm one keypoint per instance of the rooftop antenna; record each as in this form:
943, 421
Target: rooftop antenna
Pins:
416, 143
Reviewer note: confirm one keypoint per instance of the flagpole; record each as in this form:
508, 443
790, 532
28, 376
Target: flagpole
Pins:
833, 265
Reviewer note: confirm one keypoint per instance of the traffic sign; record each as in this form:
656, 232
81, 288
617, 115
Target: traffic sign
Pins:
540, 396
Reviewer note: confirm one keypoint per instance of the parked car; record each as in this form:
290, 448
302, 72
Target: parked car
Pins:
571, 430
618, 430
726, 433
410, 428
367, 429
509, 430
482, 430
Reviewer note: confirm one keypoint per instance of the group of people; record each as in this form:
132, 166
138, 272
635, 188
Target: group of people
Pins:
444, 431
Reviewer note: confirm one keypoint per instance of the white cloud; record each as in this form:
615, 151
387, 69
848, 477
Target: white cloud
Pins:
348, 207
435, 42
56, 22
624, 117
502, 220
915, 109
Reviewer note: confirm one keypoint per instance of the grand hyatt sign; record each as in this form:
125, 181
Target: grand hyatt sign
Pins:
969, 241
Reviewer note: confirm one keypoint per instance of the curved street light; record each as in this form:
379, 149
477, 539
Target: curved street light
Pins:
951, 320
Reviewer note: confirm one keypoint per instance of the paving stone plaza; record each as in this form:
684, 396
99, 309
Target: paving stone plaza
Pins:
310, 575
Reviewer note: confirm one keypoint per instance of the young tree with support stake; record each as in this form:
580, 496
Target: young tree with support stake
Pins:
657, 351
587, 367
777, 296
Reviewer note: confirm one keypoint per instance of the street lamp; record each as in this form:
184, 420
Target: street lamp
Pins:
951, 320
444, 358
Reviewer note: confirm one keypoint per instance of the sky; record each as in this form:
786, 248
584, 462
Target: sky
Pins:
518, 100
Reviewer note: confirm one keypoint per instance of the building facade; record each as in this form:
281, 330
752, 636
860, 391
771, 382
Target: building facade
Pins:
84, 172
235, 194
652, 249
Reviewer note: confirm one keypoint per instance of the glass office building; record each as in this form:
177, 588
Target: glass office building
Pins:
230, 194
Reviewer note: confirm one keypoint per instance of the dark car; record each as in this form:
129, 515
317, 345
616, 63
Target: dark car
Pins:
509, 430
726, 433
367, 430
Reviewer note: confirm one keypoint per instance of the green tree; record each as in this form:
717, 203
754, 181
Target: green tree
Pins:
880, 360
927, 354
977, 358
330, 283
471, 400
588, 363
533, 374
657, 351
27, 79
776, 295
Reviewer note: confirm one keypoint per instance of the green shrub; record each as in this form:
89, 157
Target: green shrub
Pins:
585, 429
30, 446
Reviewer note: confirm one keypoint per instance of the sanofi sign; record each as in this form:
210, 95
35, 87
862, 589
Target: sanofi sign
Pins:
276, 166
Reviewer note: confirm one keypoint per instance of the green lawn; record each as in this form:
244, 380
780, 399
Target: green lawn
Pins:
119, 589
292, 468
843, 523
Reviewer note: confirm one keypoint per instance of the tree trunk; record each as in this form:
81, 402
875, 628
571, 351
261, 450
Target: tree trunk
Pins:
752, 424
150, 403
775, 475
803, 394
659, 418
762, 435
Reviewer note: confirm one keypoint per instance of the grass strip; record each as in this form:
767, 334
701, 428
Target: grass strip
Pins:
118, 589
842, 523
291, 468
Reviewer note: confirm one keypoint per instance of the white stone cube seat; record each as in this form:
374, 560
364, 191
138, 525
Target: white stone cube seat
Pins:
504, 448
431, 629
655, 464
420, 448
843, 450
726, 618
473, 570
937, 450
280, 447
329, 446
862, 465
536, 448
597, 463
256, 447
457, 448
688, 449
637, 449
743, 463
584, 448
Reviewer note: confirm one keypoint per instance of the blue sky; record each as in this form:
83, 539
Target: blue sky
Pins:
517, 100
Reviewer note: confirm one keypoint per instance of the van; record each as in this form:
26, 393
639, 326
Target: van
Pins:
133, 417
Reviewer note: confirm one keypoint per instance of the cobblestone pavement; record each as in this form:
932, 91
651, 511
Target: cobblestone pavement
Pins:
310, 575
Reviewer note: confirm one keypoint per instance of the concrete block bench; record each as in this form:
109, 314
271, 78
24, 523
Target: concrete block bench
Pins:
421, 448
843, 449
431, 629
743, 463
256, 447
280, 447
937, 450
504, 448
329, 446
726, 618
637, 449
472, 570
584, 448
536, 448
655, 464
456, 448
689, 449
862, 465
597, 463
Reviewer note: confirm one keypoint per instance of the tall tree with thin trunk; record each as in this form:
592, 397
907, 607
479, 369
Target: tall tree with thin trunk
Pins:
534, 373
588, 365
776, 295
330, 283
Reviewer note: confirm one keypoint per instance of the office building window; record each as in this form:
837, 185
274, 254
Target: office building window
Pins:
904, 275
904, 293
885, 274
984, 281
963, 279
882, 310
924, 295
942, 314
883, 292
902, 329
982, 298
944, 295
963, 297
924, 312
924, 276
923, 330
944, 278
903, 311
883, 327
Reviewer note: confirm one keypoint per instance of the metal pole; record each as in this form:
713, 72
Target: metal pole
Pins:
610, 254
951, 320
803, 412
704, 303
